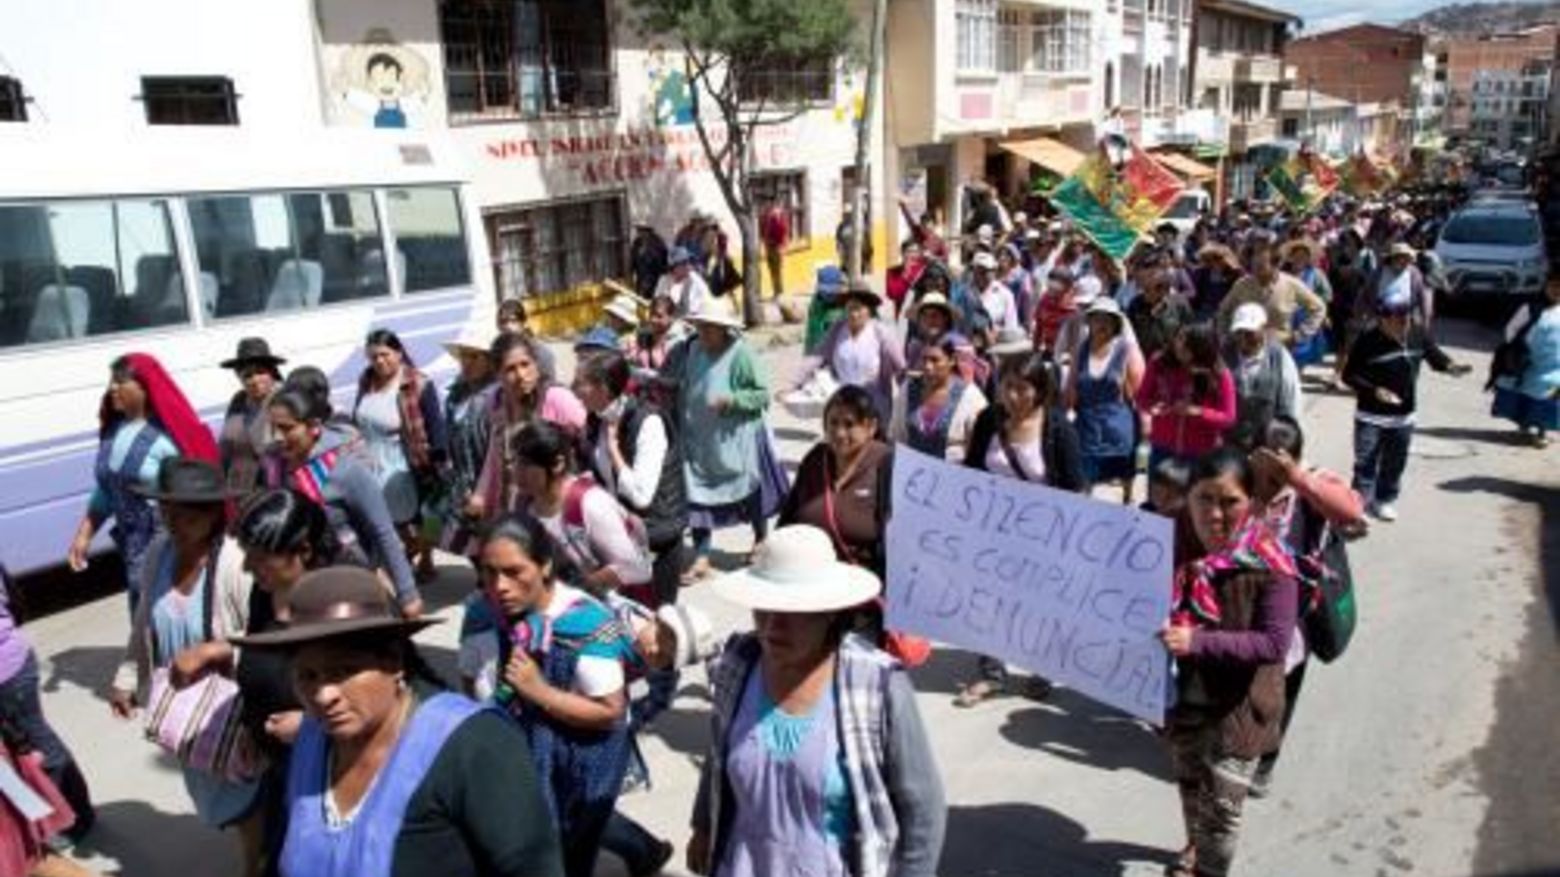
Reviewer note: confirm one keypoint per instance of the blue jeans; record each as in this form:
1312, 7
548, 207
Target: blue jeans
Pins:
1380, 456
23, 710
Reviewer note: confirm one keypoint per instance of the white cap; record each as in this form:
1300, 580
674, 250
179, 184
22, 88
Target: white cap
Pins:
1020, 217
1249, 317
985, 260
985, 232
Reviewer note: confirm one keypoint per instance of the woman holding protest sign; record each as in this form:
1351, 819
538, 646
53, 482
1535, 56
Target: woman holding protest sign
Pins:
1233, 613
1024, 436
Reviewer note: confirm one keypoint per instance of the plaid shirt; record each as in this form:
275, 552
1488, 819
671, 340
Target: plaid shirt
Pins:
861, 677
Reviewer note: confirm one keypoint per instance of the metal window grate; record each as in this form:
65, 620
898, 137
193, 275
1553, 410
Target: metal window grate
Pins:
13, 102
523, 59
189, 100
558, 246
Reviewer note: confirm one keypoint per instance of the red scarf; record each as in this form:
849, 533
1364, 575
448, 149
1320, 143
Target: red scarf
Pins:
167, 407
1253, 546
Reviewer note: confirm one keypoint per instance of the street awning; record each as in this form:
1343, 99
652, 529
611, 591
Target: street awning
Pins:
1194, 171
1053, 155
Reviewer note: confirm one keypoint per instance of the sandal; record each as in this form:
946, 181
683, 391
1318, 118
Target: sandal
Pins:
977, 693
1185, 864
700, 571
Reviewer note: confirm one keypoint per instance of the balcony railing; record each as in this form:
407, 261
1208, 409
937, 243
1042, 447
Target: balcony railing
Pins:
1259, 68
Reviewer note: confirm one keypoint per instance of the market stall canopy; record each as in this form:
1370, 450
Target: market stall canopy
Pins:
1194, 171
1052, 155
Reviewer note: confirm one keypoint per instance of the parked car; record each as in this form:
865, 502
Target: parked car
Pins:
1191, 205
1494, 253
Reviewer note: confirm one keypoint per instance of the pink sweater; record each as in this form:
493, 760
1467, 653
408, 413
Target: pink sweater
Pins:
1168, 384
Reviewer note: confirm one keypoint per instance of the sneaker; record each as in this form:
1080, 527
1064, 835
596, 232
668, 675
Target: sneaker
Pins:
1384, 511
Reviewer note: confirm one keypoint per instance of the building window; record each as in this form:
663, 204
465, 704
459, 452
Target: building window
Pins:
189, 100
976, 34
1061, 41
802, 81
521, 59
1292, 128
1010, 41
558, 246
789, 190
13, 103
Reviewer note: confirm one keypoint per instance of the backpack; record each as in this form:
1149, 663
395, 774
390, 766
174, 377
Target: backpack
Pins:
574, 524
1328, 612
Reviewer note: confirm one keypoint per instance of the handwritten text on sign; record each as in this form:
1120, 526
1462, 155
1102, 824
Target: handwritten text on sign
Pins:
1071, 588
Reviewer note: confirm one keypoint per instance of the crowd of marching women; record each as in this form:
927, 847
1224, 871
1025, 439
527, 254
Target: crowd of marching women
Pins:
274, 571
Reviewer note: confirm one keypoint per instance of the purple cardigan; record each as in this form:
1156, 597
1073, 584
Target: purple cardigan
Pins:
1267, 640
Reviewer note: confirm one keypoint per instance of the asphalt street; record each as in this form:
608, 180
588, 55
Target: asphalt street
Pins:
1427, 750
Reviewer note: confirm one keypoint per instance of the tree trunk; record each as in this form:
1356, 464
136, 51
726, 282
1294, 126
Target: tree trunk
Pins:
752, 262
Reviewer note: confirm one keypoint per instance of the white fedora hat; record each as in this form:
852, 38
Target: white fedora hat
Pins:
717, 317
625, 307
796, 570
472, 338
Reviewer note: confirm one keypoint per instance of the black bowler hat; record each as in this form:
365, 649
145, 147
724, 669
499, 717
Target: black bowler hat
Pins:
253, 351
189, 481
333, 602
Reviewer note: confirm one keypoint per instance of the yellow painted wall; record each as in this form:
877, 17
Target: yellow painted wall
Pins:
568, 312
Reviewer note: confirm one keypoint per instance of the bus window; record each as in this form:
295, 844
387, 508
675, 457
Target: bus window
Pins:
285, 252
427, 226
73, 269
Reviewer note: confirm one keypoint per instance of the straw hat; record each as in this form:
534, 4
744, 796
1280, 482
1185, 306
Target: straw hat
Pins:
933, 300
796, 570
692, 630
624, 307
1310, 245
337, 601
471, 339
1401, 249
1220, 252
1011, 342
717, 317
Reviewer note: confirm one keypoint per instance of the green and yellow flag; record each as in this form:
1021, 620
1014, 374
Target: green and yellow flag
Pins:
1115, 206
1304, 181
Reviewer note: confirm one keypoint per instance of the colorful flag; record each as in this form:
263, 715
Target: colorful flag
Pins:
1116, 206
1305, 180
1361, 176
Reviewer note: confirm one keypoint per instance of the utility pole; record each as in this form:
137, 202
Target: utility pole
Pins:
869, 110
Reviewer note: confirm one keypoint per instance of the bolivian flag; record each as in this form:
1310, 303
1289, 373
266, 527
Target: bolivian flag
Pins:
1361, 176
1304, 181
1114, 206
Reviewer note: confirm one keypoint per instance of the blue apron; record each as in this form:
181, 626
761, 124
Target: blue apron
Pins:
581, 771
135, 519
365, 847
1106, 424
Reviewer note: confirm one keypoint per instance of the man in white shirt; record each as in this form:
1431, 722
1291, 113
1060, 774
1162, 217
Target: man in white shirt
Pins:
682, 284
994, 295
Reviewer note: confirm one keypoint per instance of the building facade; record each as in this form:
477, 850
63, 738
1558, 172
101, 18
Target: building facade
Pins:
979, 90
1496, 62
1510, 109
1239, 74
573, 127
1371, 64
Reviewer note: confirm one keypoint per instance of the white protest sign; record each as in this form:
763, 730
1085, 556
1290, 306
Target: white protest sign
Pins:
1072, 588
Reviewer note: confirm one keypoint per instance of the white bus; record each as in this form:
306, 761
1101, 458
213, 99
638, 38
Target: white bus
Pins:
182, 242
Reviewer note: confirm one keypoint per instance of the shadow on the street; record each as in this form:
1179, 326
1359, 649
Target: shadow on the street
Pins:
139, 837
1022, 840
683, 730
1069, 726
945, 672
90, 667
791, 433
1490, 436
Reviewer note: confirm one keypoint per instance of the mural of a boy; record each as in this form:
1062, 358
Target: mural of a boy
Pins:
382, 82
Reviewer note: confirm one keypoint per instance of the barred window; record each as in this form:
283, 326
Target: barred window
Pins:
13, 103
189, 100
558, 246
521, 59
1061, 41
778, 81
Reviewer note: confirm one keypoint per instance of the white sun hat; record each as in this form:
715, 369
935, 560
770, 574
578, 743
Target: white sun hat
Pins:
797, 570
717, 316
472, 339
625, 307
